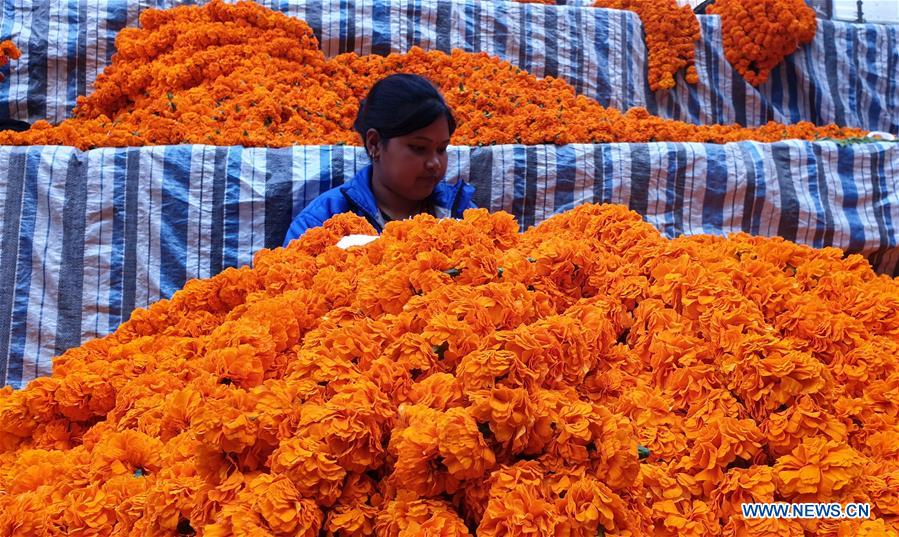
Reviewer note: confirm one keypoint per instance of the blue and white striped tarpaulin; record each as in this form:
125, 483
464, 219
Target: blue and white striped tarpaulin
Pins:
848, 75
86, 237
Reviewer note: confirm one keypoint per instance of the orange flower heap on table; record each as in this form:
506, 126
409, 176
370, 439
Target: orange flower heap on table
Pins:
455, 377
759, 34
672, 32
242, 74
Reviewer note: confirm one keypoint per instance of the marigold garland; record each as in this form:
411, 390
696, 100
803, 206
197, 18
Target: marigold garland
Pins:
8, 51
672, 32
241, 74
758, 35
456, 377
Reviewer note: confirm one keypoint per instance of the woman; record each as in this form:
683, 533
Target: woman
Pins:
405, 126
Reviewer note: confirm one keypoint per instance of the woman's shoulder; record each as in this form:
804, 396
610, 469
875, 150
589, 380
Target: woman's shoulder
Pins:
331, 198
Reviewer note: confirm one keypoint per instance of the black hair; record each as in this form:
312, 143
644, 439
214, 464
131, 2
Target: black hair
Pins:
400, 104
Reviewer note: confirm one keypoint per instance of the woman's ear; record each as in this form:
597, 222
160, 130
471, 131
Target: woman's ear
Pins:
373, 144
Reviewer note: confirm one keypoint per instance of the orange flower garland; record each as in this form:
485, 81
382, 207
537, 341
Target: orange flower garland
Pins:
672, 32
456, 377
758, 35
8, 51
241, 74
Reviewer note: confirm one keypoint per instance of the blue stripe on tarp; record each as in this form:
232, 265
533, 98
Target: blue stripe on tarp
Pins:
72, 60
9, 13
129, 257
566, 169
892, 77
116, 260
71, 279
37, 60
347, 27
882, 209
830, 51
443, 24
788, 224
666, 223
755, 188
845, 173
500, 29
278, 195
173, 227
533, 173
640, 159
81, 72
519, 193
852, 45
471, 14
607, 173
380, 29
313, 17
524, 41
629, 32
792, 89
874, 110
579, 52
692, 110
814, 181
217, 226
814, 89
9, 251
24, 267
716, 183
231, 221
603, 57
551, 67
416, 23
676, 200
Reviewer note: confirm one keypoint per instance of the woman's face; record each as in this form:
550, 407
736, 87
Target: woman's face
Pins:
410, 166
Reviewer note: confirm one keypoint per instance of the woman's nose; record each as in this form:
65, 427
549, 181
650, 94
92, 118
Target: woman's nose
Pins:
432, 163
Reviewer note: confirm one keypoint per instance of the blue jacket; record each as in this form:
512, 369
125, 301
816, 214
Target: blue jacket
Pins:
356, 196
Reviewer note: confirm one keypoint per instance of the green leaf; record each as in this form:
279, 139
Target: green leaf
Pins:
642, 452
453, 272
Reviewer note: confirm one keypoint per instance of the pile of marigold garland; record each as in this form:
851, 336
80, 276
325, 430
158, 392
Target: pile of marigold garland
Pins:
242, 74
587, 377
672, 32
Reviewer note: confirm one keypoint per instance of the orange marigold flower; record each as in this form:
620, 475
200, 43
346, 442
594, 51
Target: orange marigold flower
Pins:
787, 429
313, 471
817, 468
406, 518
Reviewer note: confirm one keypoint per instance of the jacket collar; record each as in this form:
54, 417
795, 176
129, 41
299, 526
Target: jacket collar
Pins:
445, 199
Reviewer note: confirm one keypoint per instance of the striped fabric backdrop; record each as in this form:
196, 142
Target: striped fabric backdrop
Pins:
87, 237
848, 75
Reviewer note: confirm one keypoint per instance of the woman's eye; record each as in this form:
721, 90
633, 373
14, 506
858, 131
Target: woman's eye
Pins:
417, 148
441, 150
